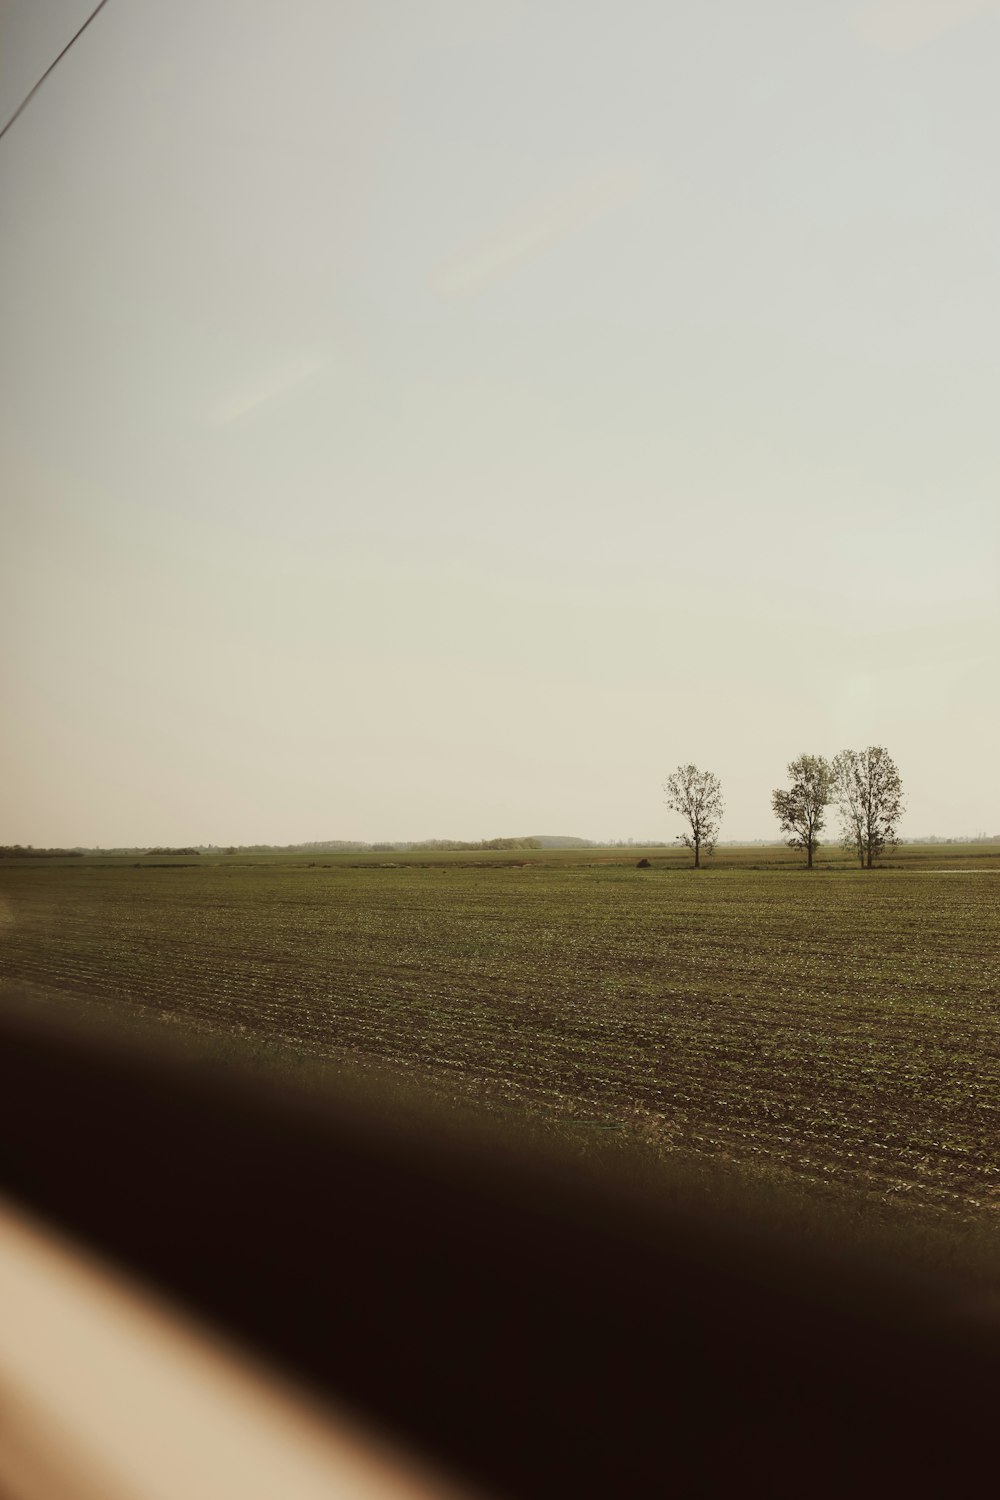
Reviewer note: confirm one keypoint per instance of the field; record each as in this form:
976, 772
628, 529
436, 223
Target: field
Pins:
836, 1031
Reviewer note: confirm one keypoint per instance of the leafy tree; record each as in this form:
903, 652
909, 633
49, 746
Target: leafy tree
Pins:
697, 796
801, 808
869, 793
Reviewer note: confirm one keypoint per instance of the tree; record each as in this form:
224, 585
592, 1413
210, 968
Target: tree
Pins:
697, 796
801, 810
869, 793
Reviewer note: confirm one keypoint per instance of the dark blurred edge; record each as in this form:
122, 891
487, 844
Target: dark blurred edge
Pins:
536, 1329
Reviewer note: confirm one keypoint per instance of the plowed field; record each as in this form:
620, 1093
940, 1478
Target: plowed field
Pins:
834, 1027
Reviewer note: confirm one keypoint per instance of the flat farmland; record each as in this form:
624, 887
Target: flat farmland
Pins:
835, 1030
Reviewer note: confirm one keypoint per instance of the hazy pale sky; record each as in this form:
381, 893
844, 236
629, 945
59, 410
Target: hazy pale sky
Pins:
442, 417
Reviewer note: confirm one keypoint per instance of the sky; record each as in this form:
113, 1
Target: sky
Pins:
442, 418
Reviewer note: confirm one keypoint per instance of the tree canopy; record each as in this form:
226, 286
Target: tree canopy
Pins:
869, 793
801, 808
697, 796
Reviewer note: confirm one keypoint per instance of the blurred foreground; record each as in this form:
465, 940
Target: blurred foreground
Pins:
522, 1324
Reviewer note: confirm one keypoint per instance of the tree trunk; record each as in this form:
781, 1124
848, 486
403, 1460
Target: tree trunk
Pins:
809, 849
697, 854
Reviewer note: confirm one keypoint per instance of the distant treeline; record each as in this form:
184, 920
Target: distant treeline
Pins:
632, 844
430, 846
404, 846
977, 838
347, 846
28, 851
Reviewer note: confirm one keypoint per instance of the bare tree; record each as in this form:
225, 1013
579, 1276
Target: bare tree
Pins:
801, 809
697, 796
869, 793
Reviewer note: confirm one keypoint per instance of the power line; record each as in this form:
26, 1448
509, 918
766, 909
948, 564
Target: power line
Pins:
32, 92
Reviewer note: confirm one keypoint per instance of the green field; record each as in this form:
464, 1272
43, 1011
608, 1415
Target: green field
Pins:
837, 1031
